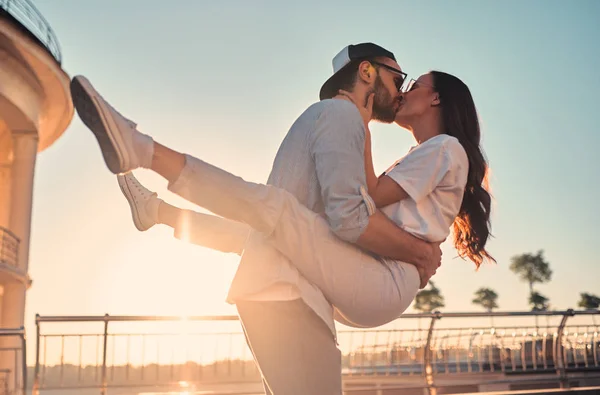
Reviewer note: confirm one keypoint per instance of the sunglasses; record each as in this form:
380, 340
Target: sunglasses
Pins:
413, 84
401, 76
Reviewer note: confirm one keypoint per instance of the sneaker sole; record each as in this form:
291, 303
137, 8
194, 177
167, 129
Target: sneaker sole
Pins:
129, 196
101, 124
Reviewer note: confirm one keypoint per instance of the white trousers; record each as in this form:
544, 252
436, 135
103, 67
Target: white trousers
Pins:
366, 291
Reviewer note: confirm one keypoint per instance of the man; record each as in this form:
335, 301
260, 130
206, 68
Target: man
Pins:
287, 321
289, 325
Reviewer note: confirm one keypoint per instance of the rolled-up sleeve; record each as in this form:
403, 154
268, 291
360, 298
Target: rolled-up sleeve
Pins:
337, 146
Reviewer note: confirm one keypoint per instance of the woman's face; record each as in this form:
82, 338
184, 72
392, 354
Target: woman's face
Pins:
417, 101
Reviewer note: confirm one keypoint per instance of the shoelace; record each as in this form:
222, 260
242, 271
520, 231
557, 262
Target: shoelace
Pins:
144, 192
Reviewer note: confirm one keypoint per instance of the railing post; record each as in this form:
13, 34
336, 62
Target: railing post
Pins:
24, 360
427, 355
104, 382
559, 350
35, 389
2, 242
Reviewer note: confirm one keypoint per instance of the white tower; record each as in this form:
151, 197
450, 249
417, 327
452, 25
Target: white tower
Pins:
35, 109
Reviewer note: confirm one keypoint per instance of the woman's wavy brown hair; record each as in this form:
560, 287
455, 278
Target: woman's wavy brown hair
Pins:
472, 225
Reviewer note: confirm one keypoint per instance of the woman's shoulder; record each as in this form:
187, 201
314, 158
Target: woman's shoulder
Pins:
448, 146
440, 143
457, 156
441, 140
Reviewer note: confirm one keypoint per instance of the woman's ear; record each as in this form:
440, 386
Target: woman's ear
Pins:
436, 100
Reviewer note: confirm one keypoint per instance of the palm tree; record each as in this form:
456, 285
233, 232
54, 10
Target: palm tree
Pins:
486, 298
429, 299
588, 301
531, 268
538, 302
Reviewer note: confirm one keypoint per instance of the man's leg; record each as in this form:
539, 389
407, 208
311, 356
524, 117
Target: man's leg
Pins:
294, 349
264, 382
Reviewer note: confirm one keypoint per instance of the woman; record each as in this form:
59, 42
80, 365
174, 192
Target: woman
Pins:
438, 184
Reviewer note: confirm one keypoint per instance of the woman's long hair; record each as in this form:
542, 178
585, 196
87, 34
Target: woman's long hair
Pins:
472, 225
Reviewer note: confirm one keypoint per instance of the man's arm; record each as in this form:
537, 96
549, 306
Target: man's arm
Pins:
338, 150
385, 238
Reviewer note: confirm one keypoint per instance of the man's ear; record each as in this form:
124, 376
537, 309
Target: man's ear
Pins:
366, 72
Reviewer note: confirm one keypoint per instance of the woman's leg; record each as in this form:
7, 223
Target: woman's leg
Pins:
209, 231
366, 291
363, 289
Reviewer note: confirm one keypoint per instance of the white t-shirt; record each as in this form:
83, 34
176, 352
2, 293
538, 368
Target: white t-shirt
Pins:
434, 175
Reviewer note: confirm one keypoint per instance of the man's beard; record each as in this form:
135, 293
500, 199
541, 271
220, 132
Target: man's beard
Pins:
383, 103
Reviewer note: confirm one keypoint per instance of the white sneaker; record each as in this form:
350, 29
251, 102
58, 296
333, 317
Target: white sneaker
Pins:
143, 202
123, 147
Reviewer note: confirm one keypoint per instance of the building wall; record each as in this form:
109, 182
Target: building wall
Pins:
35, 110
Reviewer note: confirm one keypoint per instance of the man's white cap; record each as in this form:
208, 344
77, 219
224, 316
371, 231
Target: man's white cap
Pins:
361, 51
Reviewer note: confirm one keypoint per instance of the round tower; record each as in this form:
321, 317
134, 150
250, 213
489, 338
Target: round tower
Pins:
35, 110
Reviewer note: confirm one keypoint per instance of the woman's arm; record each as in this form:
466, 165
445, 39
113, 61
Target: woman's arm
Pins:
383, 190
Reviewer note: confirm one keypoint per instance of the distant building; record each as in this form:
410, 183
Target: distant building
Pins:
35, 110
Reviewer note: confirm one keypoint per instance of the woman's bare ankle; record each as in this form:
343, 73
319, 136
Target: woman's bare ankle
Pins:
169, 215
167, 162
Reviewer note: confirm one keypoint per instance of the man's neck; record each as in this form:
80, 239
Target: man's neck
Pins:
356, 98
348, 97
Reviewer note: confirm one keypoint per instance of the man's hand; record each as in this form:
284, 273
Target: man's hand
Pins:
428, 266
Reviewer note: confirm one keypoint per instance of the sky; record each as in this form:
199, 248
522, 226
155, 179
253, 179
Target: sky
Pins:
225, 80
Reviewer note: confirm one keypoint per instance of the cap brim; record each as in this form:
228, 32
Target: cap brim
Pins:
328, 89
331, 87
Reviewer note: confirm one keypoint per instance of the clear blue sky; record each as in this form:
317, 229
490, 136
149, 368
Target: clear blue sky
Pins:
225, 80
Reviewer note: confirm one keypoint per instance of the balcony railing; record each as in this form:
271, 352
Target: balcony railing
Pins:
29, 17
421, 350
13, 375
9, 248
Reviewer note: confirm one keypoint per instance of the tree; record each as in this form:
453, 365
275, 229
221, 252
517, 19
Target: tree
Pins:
429, 299
486, 298
538, 302
588, 301
531, 268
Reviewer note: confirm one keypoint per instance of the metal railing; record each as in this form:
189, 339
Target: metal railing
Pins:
9, 248
423, 350
25, 13
13, 375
